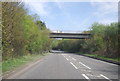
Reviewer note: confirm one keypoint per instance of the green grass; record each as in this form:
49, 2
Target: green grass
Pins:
101, 57
0, 68
16, 62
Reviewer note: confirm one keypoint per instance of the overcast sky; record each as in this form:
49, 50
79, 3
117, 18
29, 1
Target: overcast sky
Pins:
74, 16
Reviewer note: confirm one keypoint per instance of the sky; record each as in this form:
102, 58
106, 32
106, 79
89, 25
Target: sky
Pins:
74, 16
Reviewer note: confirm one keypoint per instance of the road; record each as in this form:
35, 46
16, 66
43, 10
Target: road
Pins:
60, 65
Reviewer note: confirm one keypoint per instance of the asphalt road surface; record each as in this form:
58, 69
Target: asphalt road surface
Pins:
60, 65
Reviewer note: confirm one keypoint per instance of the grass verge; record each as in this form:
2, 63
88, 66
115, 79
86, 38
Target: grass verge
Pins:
16, 62
102, 57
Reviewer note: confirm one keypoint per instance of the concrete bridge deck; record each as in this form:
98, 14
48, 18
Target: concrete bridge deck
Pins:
70, 35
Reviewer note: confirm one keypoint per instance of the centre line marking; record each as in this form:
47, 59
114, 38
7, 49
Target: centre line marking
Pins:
85, 76
66, 59
73, 58
105, 77
85, 65
73, 65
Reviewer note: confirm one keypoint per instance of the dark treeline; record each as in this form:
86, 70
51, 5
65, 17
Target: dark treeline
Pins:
104, 41
22, 34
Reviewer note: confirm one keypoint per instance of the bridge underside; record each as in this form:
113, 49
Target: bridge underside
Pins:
70, 35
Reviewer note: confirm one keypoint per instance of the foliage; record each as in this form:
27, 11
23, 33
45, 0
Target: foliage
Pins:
22, 33
104, 41
12, 30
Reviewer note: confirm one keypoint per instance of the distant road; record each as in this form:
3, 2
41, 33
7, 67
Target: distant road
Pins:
60, 65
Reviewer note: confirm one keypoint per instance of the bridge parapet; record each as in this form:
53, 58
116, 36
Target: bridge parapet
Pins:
70, 35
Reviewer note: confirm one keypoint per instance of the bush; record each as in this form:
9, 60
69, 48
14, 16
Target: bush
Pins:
22, 33
104, 41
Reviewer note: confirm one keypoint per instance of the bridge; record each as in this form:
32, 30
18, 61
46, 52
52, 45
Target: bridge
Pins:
70, 35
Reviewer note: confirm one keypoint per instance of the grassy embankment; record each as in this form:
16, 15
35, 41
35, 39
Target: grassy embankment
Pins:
102, 57
22, 34
17, 62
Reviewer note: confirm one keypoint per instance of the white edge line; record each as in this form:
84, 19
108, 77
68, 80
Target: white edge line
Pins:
85, 65
73, 65
85, 76
105, 77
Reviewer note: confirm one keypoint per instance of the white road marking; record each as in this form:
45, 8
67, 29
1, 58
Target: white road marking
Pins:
105, 77
73, 58
73, 65
67, 59
85, 76
85, 65
90, 75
